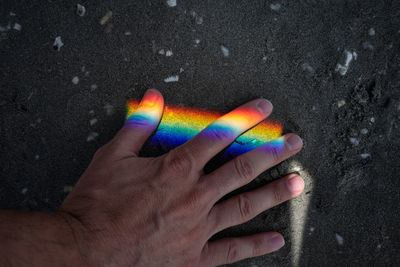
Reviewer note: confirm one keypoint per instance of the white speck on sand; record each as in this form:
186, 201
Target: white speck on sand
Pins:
58, 43
339, 239
37, 157
264, 58
12, 14
93, 87
364, 131
17, 27
161, 52
372, 119
109, 109
341, 103
75, 80
354, 141
93, 121
91, 112
92, 136
24, 190
80, 10
172, 79
312, 229
171, 3
181, 70
198, 19
275, 7
355, 55
225, 51
168, 53
307, 67
197, 41
83, 68
365, 155
343, 68
127, 33
371, 32
68, 188
106, 17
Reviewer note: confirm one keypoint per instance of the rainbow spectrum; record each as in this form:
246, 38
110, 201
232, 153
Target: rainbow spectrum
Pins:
180, 124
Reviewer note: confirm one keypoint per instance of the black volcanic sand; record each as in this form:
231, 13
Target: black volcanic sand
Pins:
225, 53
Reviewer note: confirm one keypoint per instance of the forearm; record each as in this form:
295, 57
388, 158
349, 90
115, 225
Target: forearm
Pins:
37, 239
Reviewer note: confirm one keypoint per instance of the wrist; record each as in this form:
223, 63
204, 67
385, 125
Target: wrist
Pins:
38, 239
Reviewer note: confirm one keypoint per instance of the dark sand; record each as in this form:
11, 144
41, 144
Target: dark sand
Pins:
289, 53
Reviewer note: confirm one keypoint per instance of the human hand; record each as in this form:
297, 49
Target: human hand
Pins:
131, 211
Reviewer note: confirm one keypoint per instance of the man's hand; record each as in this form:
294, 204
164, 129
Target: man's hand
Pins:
132, 211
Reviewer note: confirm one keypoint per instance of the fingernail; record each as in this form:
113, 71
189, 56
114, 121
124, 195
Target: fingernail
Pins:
276, 242
295, 183
264, 106
150, 98
294, 142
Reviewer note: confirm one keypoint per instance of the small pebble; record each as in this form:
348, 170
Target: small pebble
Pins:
364, 131
93, 121
106, 17
275, 7
372, 119
24, 190
161, 52
197, 41
171, 79
80, 10
371, 32
92, 136
339, 239
37, 157
171, 3
341, 103
58, 43
17, 27
365, 155
225, 51
128, 33
75, 80
168, 53
354, 141
93, 87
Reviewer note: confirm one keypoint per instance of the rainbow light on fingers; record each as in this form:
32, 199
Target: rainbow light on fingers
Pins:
180, 124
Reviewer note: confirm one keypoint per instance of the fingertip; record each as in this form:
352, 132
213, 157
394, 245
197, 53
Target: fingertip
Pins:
293, 142
275, 241
264, 106
295, 184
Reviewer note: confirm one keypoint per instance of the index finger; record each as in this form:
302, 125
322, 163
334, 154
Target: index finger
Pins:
218, 135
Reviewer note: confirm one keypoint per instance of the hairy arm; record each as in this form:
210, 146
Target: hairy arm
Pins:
37, 239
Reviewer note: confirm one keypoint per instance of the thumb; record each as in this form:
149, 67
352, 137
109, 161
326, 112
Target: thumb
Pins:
141, 122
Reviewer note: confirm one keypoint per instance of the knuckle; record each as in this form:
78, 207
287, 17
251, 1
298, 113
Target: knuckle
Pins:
278, 197
232, 252
257, 247
244, 168
275, 155
245, 207
180, 161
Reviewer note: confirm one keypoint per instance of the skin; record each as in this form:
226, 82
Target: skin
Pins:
127, 210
